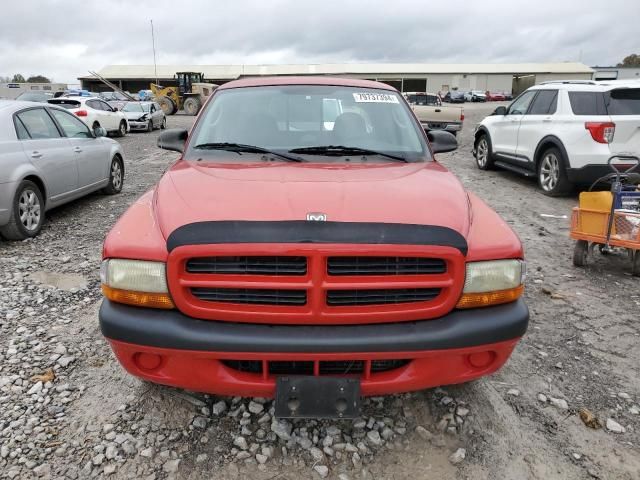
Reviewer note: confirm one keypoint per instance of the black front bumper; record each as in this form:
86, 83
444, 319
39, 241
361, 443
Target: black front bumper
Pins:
172, 329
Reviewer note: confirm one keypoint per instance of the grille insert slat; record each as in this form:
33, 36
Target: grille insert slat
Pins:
305, 367
380, 297
251, 296
248, 265
385, 266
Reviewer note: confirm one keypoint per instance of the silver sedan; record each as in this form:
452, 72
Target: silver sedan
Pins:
145, 116
49, 157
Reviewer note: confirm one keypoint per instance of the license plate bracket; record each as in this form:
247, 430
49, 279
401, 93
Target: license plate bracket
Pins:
317, 397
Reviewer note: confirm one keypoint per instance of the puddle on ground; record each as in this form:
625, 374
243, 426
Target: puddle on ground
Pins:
62, 281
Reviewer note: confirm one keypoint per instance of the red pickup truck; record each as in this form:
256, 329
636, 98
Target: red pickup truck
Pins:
307, 246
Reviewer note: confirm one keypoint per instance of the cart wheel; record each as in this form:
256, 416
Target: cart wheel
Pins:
603, 249
580, 253
635, 264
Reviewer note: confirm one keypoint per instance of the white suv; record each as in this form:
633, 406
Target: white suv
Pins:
95, 113
562, 132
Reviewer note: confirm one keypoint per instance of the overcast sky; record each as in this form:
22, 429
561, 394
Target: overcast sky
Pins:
62, 39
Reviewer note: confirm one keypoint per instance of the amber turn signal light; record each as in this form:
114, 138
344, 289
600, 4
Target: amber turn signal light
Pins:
140, 299
485, 299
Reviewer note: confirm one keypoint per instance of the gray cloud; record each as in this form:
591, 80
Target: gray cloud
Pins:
63, 42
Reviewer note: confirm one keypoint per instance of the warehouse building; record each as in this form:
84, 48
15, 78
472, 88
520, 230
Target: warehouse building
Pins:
513, 78
616, 73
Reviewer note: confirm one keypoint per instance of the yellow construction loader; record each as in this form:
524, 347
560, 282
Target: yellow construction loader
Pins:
189, 95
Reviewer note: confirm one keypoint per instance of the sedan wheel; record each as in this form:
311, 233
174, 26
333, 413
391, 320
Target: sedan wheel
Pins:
27, 214
116, 177
29, 210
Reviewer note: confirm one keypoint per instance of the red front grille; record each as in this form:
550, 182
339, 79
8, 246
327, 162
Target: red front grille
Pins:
380, 283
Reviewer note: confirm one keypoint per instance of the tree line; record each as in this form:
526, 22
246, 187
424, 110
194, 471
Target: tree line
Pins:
632, 60
19, 78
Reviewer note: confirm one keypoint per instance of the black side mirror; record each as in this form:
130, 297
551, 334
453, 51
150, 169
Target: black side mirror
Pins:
173, 139
501, 110
442, 141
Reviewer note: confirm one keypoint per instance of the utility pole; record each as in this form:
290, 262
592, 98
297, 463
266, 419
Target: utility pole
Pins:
153, 42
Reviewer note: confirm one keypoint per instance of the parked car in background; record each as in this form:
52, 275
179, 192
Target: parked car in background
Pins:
354, 264
113, 96
508, 96
495, 96
79, 93
41, 97
562, 133
116, 99
433, 115
454, 96
475, 96
144, 116
49, 157
95, 113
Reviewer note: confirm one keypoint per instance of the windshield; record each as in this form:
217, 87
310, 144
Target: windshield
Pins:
135, 107
295, 117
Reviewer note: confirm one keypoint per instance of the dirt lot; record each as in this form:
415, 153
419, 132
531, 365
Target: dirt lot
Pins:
81, 416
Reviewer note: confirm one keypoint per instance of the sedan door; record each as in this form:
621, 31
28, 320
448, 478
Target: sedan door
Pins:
50, 152
504, 134
91, 153
153, 115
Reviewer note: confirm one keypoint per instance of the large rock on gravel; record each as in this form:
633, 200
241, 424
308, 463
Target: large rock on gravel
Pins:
219, 408
374, 438
281, 428
458, 456
614, 426
322, 470
171, 466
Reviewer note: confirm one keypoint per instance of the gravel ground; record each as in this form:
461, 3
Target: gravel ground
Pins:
67, 410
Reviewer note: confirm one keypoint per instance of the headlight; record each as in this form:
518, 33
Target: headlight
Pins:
135, 282
492, 283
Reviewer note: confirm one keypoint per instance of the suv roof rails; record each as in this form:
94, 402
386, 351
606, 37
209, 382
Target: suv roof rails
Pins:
578, 82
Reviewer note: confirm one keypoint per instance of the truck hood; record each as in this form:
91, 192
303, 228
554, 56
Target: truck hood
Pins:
415, 193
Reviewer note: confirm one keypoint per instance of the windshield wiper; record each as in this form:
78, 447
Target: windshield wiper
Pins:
340, 150
239, 148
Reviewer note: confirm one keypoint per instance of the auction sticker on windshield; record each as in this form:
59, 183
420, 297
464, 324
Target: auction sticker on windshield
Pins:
375, 98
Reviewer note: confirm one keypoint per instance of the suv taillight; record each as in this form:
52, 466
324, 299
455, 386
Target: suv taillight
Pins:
461, 115
601, 132
81, 113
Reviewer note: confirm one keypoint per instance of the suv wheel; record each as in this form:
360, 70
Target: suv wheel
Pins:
122, 129
484, 159
27, 215
552, 173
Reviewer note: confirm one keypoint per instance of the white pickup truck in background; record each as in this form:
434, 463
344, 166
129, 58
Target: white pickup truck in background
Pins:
433, 115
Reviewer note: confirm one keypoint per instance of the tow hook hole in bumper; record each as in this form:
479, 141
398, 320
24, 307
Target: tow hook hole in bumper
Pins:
481, 359
317, 397
147, 361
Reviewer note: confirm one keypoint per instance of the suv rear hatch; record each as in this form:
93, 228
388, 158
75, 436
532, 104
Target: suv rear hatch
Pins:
65, 103
623, 106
